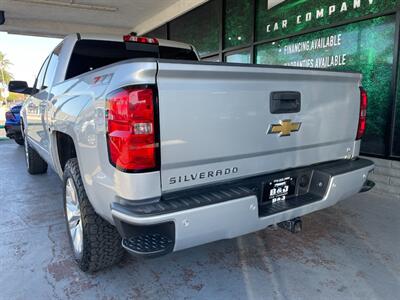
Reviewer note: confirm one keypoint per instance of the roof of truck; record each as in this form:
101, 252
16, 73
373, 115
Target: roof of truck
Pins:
119, 38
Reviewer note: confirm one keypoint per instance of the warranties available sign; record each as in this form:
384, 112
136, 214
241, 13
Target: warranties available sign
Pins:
279, 18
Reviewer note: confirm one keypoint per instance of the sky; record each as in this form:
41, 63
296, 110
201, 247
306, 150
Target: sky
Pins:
26, 53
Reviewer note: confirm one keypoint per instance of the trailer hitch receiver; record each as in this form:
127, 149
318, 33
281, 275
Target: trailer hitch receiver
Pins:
294, 225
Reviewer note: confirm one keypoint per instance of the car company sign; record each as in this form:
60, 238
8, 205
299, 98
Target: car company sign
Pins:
279, 18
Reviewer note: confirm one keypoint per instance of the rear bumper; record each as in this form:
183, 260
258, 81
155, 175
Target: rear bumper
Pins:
368, 185
203, 223
13, 131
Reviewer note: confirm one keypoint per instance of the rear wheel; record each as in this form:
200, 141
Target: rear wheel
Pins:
95, 242
34, 163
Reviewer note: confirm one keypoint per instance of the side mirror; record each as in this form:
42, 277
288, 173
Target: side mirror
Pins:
20, 87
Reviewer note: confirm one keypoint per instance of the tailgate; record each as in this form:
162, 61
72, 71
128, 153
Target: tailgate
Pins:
215, 120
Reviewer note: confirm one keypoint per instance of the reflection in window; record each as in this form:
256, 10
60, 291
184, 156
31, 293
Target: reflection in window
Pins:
365, 47
242, 57
214, 58
199, 27
238, 22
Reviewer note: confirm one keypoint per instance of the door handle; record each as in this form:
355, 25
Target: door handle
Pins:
285, 102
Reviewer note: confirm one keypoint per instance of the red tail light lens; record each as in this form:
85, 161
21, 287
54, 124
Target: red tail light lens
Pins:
140, 39
362, 120
9, 116
131, 135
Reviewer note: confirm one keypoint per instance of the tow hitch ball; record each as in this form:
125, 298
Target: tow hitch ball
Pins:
294, 225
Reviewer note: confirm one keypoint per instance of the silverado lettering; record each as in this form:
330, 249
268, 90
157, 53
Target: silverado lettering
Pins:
203, 175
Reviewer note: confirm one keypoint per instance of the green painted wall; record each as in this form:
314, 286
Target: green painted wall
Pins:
238, 22
199, 27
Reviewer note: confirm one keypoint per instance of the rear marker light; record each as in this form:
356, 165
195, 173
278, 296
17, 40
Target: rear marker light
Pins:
131, 138
140, 39
10, 116
362, 120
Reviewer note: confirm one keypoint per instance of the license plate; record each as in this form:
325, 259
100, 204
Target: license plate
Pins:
279, 189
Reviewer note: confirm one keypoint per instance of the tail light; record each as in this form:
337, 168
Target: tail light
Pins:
362, 120
131, 137
9, 115
140, 39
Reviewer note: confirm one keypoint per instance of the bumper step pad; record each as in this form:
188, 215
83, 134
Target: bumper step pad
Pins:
148, 244
186, 200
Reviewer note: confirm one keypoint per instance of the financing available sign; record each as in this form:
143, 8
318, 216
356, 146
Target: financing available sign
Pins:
326, 43
279, 18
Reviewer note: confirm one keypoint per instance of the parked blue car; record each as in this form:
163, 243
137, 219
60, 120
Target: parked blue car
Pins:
13, 125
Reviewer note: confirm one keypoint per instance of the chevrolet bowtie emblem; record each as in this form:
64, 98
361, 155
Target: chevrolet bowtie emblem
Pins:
284, 128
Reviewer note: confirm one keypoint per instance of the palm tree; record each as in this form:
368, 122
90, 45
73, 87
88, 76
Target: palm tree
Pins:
5, 75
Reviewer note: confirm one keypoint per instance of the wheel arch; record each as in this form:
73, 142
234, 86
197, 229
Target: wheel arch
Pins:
65, 149
22, 125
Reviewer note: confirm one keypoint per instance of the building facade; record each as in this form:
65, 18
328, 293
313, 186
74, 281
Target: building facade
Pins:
348, 35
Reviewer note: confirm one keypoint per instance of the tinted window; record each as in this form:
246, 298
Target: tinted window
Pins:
51, 68
177, 53
199, 27
91, 54
40, 77
214, 58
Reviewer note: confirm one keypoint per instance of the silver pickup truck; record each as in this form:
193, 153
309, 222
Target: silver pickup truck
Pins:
160, 152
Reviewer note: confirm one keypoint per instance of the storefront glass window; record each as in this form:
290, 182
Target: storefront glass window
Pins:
238, 23
199, 27
242, 57
365, 47
280, 18
159, 32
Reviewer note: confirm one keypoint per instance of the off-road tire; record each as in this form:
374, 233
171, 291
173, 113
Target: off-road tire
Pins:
101, 241
34, 163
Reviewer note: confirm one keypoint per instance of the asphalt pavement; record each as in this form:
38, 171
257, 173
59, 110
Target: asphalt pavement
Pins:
349, 251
